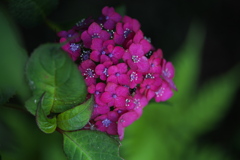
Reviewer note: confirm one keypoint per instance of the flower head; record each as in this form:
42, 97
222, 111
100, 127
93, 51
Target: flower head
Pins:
121, 68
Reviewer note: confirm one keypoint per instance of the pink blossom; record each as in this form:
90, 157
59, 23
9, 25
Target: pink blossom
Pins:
114, 54
102, 70
107, 122
71, 35
168, 73
99, 110
117, 74
87, 69
111, 17
94, 31
73, 49
134, 78
114, 95
163, 93
126, 30
99, 47
135, 58
150, 86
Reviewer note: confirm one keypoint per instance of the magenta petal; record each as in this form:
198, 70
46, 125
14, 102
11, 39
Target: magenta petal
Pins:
106, 97
136, 25
112, 129
136, 49
94, 28
128, 118
95, 56
109, 24
104, 35
138, 36
87, 39
170, 69
146, 45
118, 52
100, 86
122, 67
143, 65
111, 87
112, 78
123, 79
97, 44
91, 89
119, 102
122, 91
113, 116
120, 129
112, 70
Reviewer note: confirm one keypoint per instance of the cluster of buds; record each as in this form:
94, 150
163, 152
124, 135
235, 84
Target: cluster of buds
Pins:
121, 69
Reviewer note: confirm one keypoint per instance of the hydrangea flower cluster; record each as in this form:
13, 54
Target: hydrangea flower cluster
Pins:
121, 69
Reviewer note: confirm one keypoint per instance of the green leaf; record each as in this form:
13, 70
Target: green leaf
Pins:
51, 71
30, 12
212, 101
90, 145
187, 64
12, 61
77, 117
47, 125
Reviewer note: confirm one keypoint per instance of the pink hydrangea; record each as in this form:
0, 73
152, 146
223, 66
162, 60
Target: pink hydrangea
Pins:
121, 68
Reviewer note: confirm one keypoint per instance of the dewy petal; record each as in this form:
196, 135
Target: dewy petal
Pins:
94, 28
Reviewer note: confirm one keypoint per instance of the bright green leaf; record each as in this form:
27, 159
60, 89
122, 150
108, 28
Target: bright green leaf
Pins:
30, 12
47, 125
90, 145
51, 71
77, 117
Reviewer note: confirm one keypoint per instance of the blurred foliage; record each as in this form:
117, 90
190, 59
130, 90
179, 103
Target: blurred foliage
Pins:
170, 130
31, 12
12, 61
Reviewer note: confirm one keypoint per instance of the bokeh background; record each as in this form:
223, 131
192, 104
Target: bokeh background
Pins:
201, 38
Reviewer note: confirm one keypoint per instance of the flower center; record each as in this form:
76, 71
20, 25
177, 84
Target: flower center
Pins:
114, 96
95, 35
89, 73
160, 92
74, 47
105, 71
106, 122
133, 76
117, 74
135, 59
126, 32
